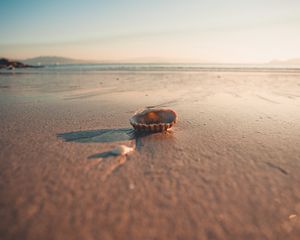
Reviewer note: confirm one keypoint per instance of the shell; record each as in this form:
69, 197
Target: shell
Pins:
153, 120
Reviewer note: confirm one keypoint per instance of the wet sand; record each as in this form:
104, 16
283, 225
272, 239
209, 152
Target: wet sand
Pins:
229, 169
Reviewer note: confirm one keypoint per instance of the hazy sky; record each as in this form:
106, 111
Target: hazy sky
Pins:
176, 30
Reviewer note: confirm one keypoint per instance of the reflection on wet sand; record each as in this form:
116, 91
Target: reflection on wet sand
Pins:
99, 135
119, 158
107, 136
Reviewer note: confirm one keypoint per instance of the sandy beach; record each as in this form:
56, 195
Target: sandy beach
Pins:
229, 168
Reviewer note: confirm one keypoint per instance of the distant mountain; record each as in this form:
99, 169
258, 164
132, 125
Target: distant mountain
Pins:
53, 60
294, 61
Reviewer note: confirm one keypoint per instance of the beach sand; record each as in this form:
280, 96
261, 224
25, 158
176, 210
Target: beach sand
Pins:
229, 168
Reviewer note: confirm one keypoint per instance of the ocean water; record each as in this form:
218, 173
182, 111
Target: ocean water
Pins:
162, 67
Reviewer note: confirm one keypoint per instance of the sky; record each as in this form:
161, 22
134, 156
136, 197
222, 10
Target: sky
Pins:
227, 31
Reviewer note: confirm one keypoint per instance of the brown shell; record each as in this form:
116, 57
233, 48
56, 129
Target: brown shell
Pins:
153, 120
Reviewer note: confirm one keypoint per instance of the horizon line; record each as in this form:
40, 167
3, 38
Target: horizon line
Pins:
147, 60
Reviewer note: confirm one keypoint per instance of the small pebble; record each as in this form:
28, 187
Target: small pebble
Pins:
292, 216
122, 150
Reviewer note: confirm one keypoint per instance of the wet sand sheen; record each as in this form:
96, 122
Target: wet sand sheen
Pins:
227, 170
